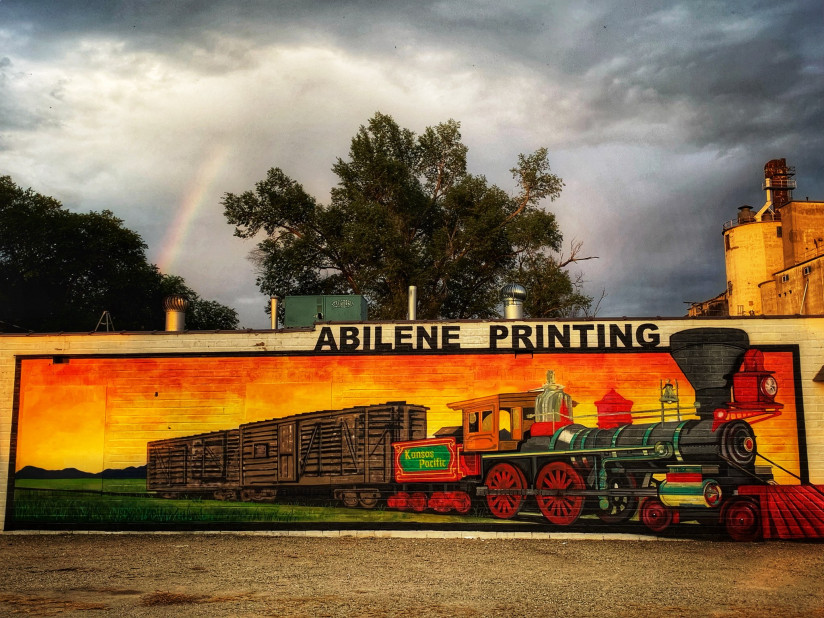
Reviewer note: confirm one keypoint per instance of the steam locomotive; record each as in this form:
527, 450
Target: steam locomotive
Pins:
512, 449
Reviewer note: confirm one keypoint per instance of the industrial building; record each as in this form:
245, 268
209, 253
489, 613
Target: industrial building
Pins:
774, 257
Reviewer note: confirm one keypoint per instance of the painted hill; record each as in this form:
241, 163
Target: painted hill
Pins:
33, 472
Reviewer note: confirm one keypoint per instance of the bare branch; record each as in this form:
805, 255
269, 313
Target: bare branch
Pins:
593, 309
575, 247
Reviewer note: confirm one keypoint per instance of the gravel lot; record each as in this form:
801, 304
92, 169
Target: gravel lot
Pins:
261, 575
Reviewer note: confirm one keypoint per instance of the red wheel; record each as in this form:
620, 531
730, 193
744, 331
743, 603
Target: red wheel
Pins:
742, 520
418, 502
618, 509
439, 503
461, 502
655, 516
511, 482
559, 507
399, 501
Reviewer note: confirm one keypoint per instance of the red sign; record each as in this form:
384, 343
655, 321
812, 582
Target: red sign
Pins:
434, 460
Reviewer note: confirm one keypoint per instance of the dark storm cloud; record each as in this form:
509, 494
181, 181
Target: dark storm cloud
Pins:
713, 75
716, 75
659, 115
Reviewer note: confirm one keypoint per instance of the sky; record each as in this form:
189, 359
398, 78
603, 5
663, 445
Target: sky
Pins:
659, 117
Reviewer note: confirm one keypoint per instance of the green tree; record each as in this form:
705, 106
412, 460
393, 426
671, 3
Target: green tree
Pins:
407, 212
60, 270
200, 314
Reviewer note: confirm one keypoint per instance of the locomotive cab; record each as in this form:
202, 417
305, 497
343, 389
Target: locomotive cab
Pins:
496, 422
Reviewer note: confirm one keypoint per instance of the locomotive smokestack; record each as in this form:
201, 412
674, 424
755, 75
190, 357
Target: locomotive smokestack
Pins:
175, 307
513, 297
708, 356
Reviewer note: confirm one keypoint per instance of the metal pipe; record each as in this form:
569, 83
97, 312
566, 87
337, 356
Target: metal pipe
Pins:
413, 302
804, 297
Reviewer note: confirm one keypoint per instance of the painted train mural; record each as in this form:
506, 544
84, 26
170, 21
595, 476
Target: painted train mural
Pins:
528, 450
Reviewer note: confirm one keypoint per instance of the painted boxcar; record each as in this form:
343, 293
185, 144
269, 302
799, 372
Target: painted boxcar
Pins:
342, 453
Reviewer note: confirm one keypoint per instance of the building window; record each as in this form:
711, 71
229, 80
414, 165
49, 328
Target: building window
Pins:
727, 241
778, 231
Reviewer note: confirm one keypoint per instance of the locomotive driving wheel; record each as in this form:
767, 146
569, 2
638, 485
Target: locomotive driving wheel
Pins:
558, 507
742, 519
618, 509
511, 483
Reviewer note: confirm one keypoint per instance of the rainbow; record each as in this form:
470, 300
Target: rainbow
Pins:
193, 201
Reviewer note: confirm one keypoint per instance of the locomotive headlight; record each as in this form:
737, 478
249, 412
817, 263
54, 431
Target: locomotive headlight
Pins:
769, 386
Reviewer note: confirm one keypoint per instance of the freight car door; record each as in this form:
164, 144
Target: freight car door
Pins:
287, 436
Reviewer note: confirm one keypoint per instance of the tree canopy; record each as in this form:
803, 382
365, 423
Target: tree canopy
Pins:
59, 270
407, 212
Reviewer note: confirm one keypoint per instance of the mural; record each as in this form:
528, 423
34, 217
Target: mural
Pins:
701, 437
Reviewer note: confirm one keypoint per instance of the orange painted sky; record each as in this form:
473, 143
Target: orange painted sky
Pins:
100, 413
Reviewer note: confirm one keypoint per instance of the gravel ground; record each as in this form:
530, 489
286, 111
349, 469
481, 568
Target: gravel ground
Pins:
258, 575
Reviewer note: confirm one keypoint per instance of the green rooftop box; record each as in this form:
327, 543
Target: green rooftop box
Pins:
306, 310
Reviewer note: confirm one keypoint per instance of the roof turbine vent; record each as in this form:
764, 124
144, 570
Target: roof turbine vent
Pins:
513, 296
175, 307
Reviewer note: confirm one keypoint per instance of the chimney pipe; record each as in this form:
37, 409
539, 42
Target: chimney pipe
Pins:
413, 302
513, 296
274, 300
175, 307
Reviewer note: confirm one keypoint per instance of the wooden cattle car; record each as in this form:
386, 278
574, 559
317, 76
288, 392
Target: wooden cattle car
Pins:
205, 464
346, 451
343, 453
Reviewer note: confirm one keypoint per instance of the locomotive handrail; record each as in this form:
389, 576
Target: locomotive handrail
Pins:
662, 450
642, 492
640, 414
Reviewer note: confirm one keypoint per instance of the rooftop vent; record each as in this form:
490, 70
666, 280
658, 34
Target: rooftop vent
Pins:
175, 307
513, 296
745, 214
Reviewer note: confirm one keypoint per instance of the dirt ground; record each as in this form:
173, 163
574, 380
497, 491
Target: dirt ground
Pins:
258, 575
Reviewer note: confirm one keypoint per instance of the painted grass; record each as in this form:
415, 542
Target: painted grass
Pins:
133, 486
56, 507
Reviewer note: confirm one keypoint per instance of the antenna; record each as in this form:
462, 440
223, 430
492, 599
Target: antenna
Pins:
105, 320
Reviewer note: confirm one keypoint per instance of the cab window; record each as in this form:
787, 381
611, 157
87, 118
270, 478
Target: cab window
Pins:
486, 420
480, 421
504, 424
